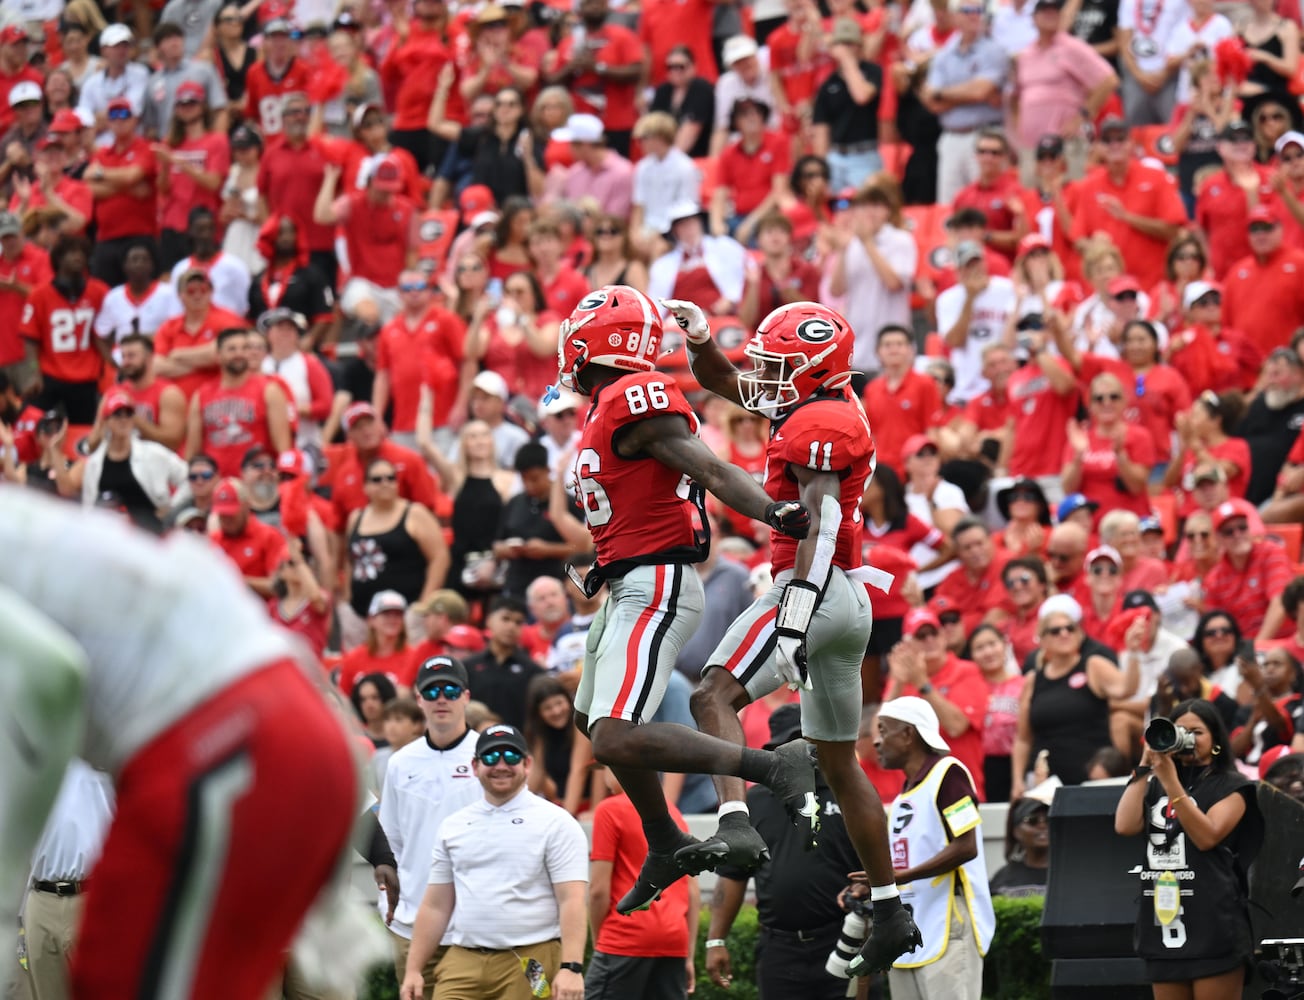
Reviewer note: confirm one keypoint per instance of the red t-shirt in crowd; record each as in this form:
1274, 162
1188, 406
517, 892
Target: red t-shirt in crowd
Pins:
1100, 470
130, 212
660, 931
898, 414
800, 80
1041, 417
987, 412
210, 153
173, 333
379, 235
1146, 191
256, 551
233, 420
961, 683
564, 292
345, 473
1158, 397
1246, 593
974, 598
1233, 449
1265, 301
32, 268
64, 331
1222, 210
749, 176
611, 45
308, 623
264, 94
289, 178
428, 355
664, 24
73, 192
399, 667
995, 201
410, 72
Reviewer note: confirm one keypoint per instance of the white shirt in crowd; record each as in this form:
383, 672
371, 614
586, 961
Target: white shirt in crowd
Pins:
869, 304
504, 862
991, 311
1152, 23
1192, 43
1012, 29
658, 184
120, 315
74, 833
99, 89
230, 278
423, 786
947, 496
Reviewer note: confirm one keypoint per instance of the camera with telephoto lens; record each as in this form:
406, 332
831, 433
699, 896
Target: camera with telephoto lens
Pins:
854, 930
1281, 962
1163, 736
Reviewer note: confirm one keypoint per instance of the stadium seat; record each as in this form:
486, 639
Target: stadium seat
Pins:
1289, 536
1165, 507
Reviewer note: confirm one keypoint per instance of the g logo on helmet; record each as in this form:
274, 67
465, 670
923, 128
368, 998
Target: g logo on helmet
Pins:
816, 331
592, 301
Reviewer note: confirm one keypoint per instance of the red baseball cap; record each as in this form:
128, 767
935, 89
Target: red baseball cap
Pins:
476, 198
916, 443
1262, 213
465, 637
1123, 284
190, 91
1031, 242
48, 141
117, 399
226, 498
917, 618
120, 103
65, 121
387, 176
15, 34
292, 462
1230, 510
356, 412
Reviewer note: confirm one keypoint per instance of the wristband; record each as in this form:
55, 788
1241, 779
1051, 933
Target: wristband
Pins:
574, 967
1141, 771
797, 607
716, 943
926, 690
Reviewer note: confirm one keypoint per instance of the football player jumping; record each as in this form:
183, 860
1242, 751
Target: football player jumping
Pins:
639, 475
821, 452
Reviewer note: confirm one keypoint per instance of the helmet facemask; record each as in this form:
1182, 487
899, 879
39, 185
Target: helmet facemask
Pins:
770, 388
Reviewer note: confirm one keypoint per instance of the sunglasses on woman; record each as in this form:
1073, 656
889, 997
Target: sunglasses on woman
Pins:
383, 478
1059, 630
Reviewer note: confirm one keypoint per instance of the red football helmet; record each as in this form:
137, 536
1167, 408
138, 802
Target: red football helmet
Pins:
614, 326
798, 349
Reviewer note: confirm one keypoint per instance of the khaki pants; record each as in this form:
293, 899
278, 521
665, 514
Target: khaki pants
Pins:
957, 975
51, 922
467, 974
401, 948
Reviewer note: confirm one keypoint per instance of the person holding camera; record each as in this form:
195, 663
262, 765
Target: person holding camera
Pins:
1203, 829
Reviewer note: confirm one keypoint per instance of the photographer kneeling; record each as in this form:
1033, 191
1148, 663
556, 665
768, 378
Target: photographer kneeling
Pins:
1203, 829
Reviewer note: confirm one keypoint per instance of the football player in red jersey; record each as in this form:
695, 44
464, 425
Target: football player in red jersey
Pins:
639, 476
821, 452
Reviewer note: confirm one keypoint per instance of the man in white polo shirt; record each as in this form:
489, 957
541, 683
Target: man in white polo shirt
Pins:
426, 781
514, 870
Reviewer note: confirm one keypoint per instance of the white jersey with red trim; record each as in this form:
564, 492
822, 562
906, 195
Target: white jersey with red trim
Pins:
164, 623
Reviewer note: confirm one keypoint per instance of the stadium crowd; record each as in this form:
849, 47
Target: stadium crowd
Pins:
292, 274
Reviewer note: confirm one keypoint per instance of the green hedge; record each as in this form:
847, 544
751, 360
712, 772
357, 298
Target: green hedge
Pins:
1014, 969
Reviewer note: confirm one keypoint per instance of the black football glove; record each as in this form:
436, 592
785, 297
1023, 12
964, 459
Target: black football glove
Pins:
788, 518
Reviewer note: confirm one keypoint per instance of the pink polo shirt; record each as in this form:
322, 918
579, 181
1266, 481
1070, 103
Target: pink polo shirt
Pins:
1053, 83
612, 185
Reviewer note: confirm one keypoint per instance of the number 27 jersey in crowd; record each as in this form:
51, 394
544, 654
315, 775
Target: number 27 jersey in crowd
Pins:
635, 507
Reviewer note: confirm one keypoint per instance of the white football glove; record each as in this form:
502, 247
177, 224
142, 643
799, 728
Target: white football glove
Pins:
790, 662
690, 318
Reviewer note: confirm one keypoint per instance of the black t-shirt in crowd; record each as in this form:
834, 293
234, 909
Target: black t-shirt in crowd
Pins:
307, 293
797, 890
698, 106
1018, 879
1095, 22
501, 684
1270, 435
848, 122
116, 477
526, 517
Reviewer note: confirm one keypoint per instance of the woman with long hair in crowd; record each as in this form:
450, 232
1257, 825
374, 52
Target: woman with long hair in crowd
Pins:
1204, 437
809, 210
1185, 262
231, 55
300, 604
193, 164
562, 753
1038, 277
1158, 391
689, 99
1026, 581
519, 338
993, 655
1064, 706
241, 211
1108, 460
470, 292
613, 261
75, 30
60, 91
1027, 519
384, 647
1217, 639
479, 487
506, 250
391, 544
1200, 816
